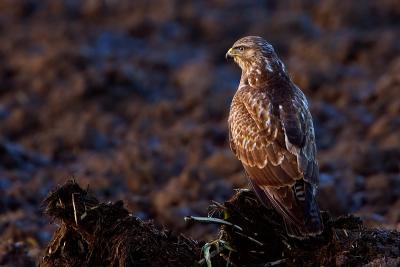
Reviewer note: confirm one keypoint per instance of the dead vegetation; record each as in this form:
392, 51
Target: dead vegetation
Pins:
263, 240
91, 233
106, 234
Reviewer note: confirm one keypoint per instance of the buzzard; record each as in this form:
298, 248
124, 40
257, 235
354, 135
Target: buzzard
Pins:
271, 132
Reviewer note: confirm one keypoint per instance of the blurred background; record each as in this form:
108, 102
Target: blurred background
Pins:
132, 97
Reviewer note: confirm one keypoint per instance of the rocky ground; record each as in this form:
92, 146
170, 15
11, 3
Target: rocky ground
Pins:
131, 98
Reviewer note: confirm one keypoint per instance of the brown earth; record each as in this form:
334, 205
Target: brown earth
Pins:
131, 98
106, 234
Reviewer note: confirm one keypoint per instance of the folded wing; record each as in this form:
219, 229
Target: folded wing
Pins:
276, 145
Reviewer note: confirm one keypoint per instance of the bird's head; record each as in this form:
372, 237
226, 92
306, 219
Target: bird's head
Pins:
253, 52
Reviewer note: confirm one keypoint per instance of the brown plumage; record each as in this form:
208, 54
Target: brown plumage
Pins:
272, 134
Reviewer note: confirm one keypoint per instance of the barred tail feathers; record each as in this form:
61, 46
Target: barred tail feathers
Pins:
296, 204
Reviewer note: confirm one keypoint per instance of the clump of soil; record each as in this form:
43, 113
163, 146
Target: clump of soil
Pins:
263, 239
106, 234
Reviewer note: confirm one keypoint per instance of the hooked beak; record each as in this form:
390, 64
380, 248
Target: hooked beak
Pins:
230, 53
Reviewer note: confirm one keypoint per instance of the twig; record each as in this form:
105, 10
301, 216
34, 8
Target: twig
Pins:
212, 254
207, 256
286, 244
250, 238
273, 263
219, 205
73, 205
220, 245
240, 190
212, 220
345, 232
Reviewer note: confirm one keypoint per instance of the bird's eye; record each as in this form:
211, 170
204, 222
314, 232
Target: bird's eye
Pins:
241, 48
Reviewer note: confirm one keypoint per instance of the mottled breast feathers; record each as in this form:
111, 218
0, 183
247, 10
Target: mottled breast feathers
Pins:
274, 141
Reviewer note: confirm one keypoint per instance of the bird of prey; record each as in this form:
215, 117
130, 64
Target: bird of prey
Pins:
271, 132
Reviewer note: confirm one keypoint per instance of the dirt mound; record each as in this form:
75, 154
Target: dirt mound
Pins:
106, 234
262, 239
